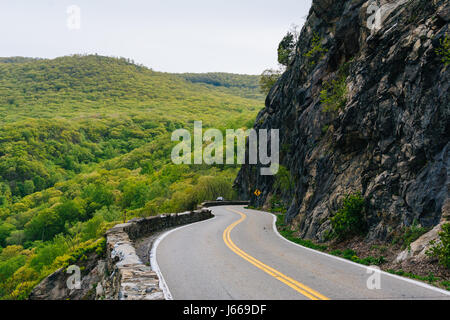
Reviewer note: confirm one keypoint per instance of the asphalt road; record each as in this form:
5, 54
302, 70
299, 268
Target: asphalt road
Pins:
238, 255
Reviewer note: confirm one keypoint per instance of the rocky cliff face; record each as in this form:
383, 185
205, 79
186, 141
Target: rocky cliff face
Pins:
388, 137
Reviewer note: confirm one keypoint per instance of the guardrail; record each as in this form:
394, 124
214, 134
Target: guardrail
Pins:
209, 204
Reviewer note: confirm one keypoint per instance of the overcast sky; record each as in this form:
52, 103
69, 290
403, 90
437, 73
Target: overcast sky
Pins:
239, 36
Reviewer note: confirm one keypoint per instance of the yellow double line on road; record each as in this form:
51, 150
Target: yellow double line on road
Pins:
297, 286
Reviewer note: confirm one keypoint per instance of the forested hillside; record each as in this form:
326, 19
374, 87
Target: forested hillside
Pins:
246, 86
85, 143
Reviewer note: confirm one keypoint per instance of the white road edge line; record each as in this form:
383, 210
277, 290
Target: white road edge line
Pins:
168, 295
420, 284
154, 262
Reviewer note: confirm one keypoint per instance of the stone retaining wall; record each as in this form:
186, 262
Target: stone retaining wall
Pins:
130, 278
122, 275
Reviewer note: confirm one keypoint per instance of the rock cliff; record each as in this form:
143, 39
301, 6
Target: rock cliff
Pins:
362, 107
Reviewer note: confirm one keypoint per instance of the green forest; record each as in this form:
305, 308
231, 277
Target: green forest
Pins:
85, 144
246, 86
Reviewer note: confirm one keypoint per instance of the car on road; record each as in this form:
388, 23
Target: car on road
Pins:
220, 199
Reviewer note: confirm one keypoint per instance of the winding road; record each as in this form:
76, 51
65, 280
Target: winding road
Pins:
239, 255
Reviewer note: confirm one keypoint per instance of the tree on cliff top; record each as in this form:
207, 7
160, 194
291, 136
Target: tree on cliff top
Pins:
286, 48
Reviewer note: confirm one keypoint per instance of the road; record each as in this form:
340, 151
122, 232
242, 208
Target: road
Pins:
238, 255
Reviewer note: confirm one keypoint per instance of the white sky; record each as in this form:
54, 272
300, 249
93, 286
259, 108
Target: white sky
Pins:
166, 35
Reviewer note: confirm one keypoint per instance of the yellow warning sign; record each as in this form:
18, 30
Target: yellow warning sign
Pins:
257, 193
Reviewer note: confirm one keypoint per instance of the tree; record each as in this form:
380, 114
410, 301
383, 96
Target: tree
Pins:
44, 226
286, 52
109, 214
268, 79
5, 231
5, 194
135, 195
92, 228
284, 181
71, 211
3, 200
28, 187
17, 237
97, 196
286, 48
209, 188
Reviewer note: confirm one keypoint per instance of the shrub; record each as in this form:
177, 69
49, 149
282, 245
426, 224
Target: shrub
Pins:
350, 254
372, 261
336, 253
93, 228
441, 249
410, 234
317, 52
288, 234
444, 50
277, 206
446, 284
284, 181
48, 251
349, 220
80, 253
268, 79
325, 129
333, 94
431, 278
